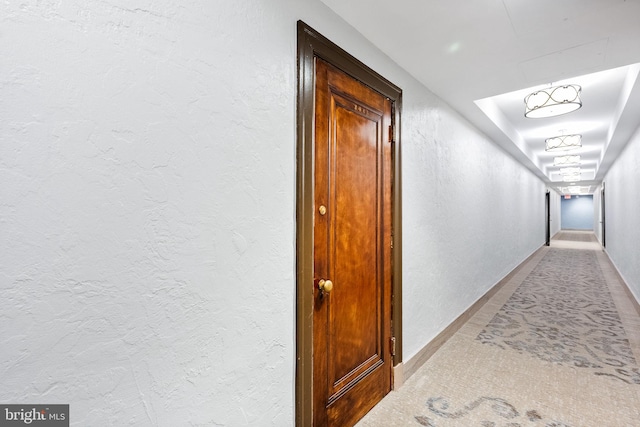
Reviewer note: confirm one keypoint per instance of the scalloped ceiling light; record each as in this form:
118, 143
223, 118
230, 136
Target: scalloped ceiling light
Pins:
552, 101
563, 143
566, 160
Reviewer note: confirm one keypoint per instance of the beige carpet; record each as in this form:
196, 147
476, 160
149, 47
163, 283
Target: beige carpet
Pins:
557, 346
577, 236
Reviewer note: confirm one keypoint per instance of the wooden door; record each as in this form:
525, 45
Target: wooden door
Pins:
603, 218
352, 248
547, 218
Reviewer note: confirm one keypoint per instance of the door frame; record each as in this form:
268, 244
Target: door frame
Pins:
603, 217
547, 219
312, 44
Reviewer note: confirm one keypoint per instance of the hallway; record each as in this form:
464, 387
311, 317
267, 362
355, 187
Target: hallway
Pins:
557, 345
154, 238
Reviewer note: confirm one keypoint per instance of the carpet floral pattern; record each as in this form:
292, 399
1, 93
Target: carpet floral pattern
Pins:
563, 313
487, 411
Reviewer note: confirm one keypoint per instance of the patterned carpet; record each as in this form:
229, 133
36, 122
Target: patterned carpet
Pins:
557, 346
576, 236
494, 408
566, 316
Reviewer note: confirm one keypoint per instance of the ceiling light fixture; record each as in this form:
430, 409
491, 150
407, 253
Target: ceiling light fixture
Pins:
571, 178
570, 171
566, 160
574, 189
553, 101
563, 143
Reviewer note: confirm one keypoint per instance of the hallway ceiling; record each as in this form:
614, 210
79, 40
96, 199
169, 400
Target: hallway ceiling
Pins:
483, 58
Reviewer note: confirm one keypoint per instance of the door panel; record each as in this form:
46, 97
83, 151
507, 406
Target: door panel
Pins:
603, 218
352, 248
547, 218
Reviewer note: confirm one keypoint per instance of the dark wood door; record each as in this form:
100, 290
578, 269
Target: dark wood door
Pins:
547, 218
352, 248
603, 218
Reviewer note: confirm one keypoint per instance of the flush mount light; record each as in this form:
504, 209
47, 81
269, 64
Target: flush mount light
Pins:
574, 190
571, 178
563, 143
552, 101
570, 171
566, 160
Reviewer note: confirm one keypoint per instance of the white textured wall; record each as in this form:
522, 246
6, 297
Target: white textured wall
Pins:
622, 207
471, 214
147, 208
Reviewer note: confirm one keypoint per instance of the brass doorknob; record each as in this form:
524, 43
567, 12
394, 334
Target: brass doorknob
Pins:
325, 285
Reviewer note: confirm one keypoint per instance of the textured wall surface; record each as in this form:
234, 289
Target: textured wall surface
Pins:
147, 206
147, 209
622, 205
471, 214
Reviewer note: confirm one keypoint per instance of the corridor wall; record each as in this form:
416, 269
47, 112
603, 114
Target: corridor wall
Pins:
577, 213
622, 204
148, 208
